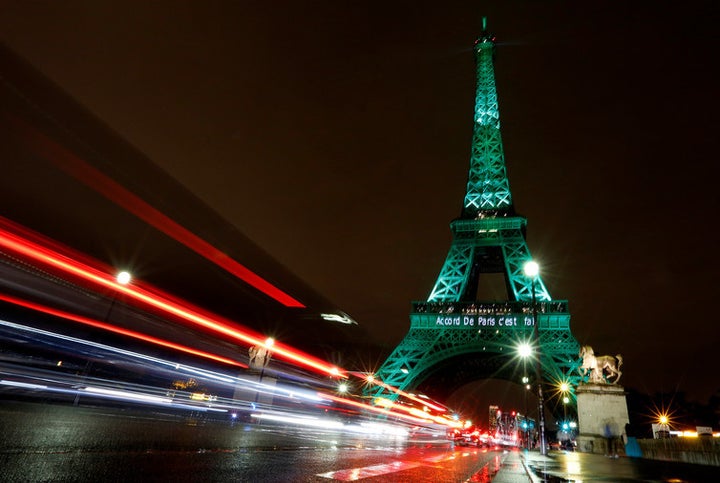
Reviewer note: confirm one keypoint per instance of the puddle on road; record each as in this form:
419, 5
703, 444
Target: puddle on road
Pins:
541, 473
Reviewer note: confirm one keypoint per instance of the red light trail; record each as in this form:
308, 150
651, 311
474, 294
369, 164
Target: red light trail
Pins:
76, 167
53, 259
20, 245
57, 261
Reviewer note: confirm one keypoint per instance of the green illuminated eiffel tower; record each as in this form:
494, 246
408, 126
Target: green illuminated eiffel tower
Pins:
488, 238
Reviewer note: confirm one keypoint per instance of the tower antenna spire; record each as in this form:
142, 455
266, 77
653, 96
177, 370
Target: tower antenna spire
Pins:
485, 36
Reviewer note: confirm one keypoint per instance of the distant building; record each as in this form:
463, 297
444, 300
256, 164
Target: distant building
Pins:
494, 414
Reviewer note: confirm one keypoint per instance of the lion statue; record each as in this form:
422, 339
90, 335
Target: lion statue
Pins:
600, 369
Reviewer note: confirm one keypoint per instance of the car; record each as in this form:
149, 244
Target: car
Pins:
475, 436
454, 435
471, 436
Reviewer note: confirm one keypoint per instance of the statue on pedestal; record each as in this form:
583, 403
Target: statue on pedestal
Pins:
259, 357
601, 403
601, 368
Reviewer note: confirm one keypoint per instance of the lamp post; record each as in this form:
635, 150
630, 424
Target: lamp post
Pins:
564, 390
259, 360
526, 386
122, 278
565, 426
524, 351
531, 270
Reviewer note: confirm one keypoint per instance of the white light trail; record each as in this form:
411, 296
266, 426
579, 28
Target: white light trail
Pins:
23, 385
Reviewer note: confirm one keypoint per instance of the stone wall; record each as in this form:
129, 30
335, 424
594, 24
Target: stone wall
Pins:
700, 451
602, 416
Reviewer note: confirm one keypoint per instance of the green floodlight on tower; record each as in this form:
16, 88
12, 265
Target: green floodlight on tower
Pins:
488, 188
488, 238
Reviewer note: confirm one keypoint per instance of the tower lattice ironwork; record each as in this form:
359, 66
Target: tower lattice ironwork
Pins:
488, 238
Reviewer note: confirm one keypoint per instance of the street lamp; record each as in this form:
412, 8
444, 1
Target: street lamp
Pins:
532, 269
260, 355
259, 359
526, 383
564, 390
525, 350
123, 278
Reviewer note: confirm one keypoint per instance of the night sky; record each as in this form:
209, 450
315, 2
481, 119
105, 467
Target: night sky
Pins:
336, 135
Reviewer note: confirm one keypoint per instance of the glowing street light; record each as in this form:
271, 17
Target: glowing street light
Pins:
123, 278
524, 350
532, 269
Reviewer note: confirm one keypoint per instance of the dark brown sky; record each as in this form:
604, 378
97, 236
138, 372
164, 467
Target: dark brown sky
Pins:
336, 135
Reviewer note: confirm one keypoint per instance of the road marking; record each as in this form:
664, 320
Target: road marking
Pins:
368, 471
354, 474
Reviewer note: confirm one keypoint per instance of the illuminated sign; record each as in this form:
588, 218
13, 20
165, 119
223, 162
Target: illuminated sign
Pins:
484, 321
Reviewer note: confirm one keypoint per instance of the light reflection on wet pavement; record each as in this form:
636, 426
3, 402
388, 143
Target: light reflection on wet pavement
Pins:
581, 467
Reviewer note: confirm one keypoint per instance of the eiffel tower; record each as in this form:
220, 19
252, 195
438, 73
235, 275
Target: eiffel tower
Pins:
453, 328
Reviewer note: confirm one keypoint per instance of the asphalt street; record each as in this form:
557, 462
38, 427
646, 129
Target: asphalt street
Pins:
49, 442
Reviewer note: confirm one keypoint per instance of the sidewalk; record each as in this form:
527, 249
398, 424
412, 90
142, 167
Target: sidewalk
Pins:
522, 466
514, 468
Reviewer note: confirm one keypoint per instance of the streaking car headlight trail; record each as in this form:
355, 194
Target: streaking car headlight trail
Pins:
53, 259
153, 298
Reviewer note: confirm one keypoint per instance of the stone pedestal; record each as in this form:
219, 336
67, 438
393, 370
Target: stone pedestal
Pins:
602, 416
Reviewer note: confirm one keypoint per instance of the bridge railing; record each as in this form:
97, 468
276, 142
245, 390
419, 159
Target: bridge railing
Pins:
490, 308
703, 450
